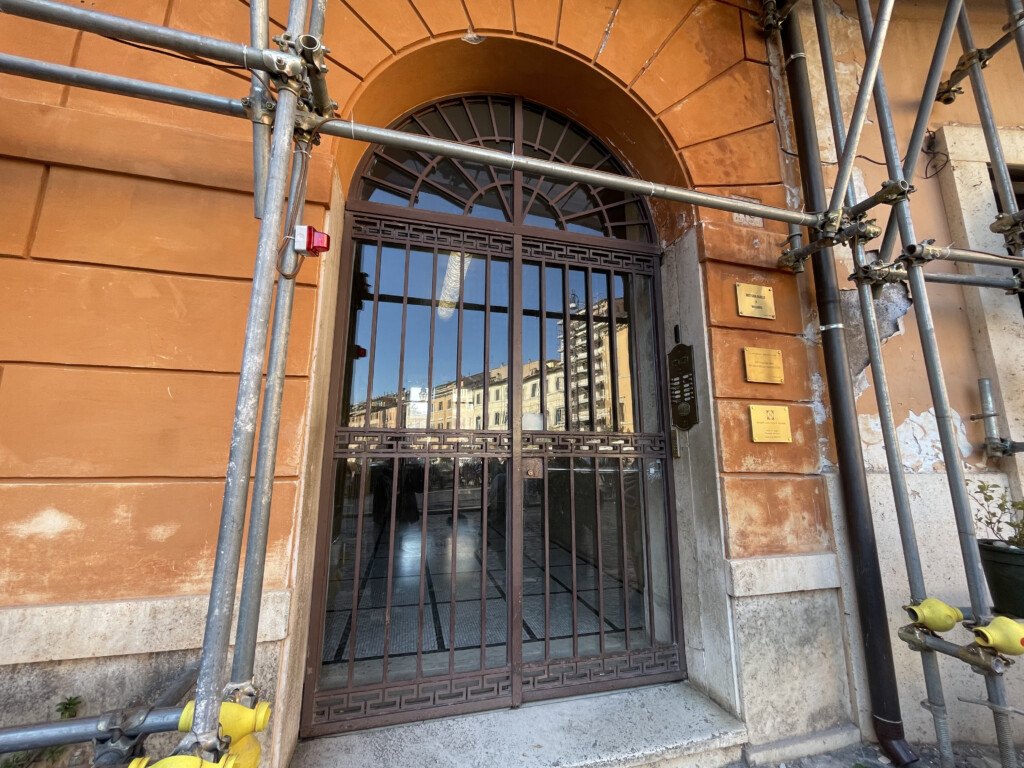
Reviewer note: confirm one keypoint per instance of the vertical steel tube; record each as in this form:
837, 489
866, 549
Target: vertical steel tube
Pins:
961, 504
885, 705
266, 453
904, 515
259, 37
897, 477
860, 109
988, 409
236, 487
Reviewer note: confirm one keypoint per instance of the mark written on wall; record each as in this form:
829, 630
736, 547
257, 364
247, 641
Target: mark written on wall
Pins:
920, 446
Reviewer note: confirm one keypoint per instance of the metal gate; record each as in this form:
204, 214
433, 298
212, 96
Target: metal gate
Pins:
499, 506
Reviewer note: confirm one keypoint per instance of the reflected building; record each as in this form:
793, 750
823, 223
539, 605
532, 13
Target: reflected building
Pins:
467, 404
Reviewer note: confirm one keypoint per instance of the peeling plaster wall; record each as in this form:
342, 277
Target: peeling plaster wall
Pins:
960, 319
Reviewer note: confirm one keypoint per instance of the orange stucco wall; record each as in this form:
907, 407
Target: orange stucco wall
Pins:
128, 239
126, 247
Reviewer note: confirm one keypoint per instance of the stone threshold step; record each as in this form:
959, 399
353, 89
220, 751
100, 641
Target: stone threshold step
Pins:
665, 725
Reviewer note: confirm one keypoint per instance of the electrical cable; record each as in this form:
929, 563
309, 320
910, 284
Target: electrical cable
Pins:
302, 153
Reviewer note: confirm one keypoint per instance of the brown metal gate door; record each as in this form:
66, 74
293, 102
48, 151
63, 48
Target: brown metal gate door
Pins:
596, 588
494, 524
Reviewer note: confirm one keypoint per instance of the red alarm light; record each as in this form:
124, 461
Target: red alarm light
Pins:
311, 242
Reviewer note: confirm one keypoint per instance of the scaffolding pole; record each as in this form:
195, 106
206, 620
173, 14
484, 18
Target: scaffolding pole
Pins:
924, 111
123, 86
897, 478
270, 423
872, 64
1000, 171
109, 25
205, 736
994, 683
259, 99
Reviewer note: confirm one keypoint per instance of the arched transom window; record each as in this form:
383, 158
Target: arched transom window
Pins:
445, 185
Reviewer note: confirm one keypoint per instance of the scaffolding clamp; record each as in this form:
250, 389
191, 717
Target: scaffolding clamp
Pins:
893, 191
856, 231
1016, 22
115, 743
1011, 227
878, 273
948, 89
917, 254
245, 693
982, 660
294, 78
313, 53
259, 110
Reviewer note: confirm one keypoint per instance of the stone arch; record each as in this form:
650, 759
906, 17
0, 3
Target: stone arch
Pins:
504, 65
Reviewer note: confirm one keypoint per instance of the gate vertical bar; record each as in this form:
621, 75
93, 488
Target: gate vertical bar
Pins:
243, 432
485, 496
514, 565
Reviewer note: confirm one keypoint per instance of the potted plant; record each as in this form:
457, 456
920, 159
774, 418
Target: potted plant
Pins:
1001, 557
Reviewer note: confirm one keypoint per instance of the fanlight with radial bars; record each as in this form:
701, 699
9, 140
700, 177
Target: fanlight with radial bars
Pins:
445, 185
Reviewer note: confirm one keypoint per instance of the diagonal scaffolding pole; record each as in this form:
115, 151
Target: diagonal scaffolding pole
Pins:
901, 497
212, 677
994, 683
897, 477
998, 166
1015, 10
266, 454
872, 64
244, 658
924, 111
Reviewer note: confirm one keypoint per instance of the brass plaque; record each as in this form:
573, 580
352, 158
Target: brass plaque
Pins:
770, 424
755, 300
764, 366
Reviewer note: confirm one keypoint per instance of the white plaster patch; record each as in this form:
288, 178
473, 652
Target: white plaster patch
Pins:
163, 532
918, 436
47, 524
818, 398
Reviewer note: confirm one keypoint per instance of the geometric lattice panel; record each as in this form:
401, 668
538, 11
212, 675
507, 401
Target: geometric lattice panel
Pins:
559, 674
403, 697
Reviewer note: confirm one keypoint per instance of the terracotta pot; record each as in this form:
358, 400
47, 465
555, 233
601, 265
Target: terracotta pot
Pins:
1004, 571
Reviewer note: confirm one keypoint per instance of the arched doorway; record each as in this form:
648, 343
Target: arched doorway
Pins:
496, 528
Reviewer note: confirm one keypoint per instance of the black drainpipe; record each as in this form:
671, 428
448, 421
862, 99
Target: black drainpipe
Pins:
867, 576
